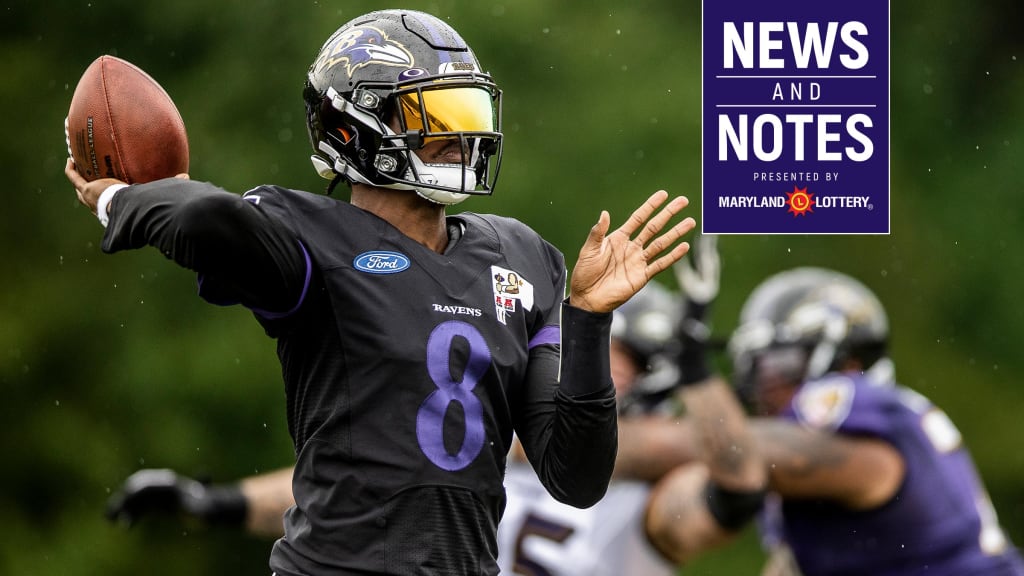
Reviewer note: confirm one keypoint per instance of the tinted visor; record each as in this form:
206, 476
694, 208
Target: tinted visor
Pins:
448, 109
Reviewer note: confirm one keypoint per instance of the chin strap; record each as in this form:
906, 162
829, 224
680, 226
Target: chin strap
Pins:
334, 183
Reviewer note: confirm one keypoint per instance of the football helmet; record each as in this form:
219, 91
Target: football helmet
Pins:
805, 322
391, 82
646, 324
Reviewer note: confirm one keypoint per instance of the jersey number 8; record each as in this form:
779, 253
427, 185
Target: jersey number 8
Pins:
430, 418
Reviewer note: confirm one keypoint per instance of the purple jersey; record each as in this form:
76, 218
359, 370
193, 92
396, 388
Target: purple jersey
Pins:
940, 522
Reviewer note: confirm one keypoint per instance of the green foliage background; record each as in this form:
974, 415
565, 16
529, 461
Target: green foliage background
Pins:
108, 364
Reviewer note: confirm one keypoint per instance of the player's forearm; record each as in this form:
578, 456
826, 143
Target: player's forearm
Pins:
726, 443
703, 505
268, 496
571, 442
157, 214
862, 472
677, 520
586, 353
651, 446
580, 454
581, 450
569, 419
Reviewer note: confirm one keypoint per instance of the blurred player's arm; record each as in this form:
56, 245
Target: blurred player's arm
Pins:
802, 463
703, 505
736, 472
858, 472
651, 446
861, 473
268, 497
256, 503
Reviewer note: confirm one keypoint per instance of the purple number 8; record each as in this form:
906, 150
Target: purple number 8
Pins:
431, 415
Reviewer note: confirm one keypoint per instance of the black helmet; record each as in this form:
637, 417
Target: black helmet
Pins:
827, 316
387, 83
646, 324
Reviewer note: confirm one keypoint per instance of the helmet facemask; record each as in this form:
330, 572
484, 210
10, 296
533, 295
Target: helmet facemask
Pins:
804, 323
455, 121
457, 114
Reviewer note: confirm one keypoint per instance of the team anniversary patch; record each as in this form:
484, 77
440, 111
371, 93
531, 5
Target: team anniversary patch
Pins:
511, 293
795, 117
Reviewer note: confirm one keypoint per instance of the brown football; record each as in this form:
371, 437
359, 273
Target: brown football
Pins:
122, 124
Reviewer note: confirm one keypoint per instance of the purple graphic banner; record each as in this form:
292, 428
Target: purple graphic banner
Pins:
795, 132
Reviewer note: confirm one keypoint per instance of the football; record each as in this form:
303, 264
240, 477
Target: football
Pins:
122, 124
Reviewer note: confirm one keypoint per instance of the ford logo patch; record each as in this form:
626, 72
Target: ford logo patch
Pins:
381, 262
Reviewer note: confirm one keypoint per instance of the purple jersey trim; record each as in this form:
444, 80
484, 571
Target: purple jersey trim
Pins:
200, 279
263, 313
302, 297
547, 335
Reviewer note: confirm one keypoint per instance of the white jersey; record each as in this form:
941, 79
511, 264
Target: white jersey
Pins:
539, 536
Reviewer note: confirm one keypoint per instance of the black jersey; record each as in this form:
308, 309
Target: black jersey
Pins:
406, 370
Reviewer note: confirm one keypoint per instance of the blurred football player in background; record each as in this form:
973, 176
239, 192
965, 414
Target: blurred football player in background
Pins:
387, 311
865, 477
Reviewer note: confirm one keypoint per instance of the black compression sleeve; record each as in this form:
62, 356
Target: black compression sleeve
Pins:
568, 426
586, 353
245, 255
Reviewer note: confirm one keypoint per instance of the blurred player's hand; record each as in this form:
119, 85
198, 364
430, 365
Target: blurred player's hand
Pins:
165, 492
699, 277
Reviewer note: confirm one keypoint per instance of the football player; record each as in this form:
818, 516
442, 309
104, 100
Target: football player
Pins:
387, 311
537, 534
864, 476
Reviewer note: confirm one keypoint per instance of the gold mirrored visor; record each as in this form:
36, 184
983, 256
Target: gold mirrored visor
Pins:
448, 109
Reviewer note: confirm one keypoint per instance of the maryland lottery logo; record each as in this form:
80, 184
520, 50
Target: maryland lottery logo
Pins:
800, 201
795, 131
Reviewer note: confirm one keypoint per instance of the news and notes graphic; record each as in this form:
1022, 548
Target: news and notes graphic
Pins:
796, 120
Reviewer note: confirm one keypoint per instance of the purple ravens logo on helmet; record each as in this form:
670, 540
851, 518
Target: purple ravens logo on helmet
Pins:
361, 46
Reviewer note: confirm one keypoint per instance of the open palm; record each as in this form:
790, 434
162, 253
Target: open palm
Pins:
611, 268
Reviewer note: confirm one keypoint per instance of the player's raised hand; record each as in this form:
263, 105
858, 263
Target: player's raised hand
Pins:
613, 267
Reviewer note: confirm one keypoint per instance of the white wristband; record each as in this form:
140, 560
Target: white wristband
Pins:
104, 201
